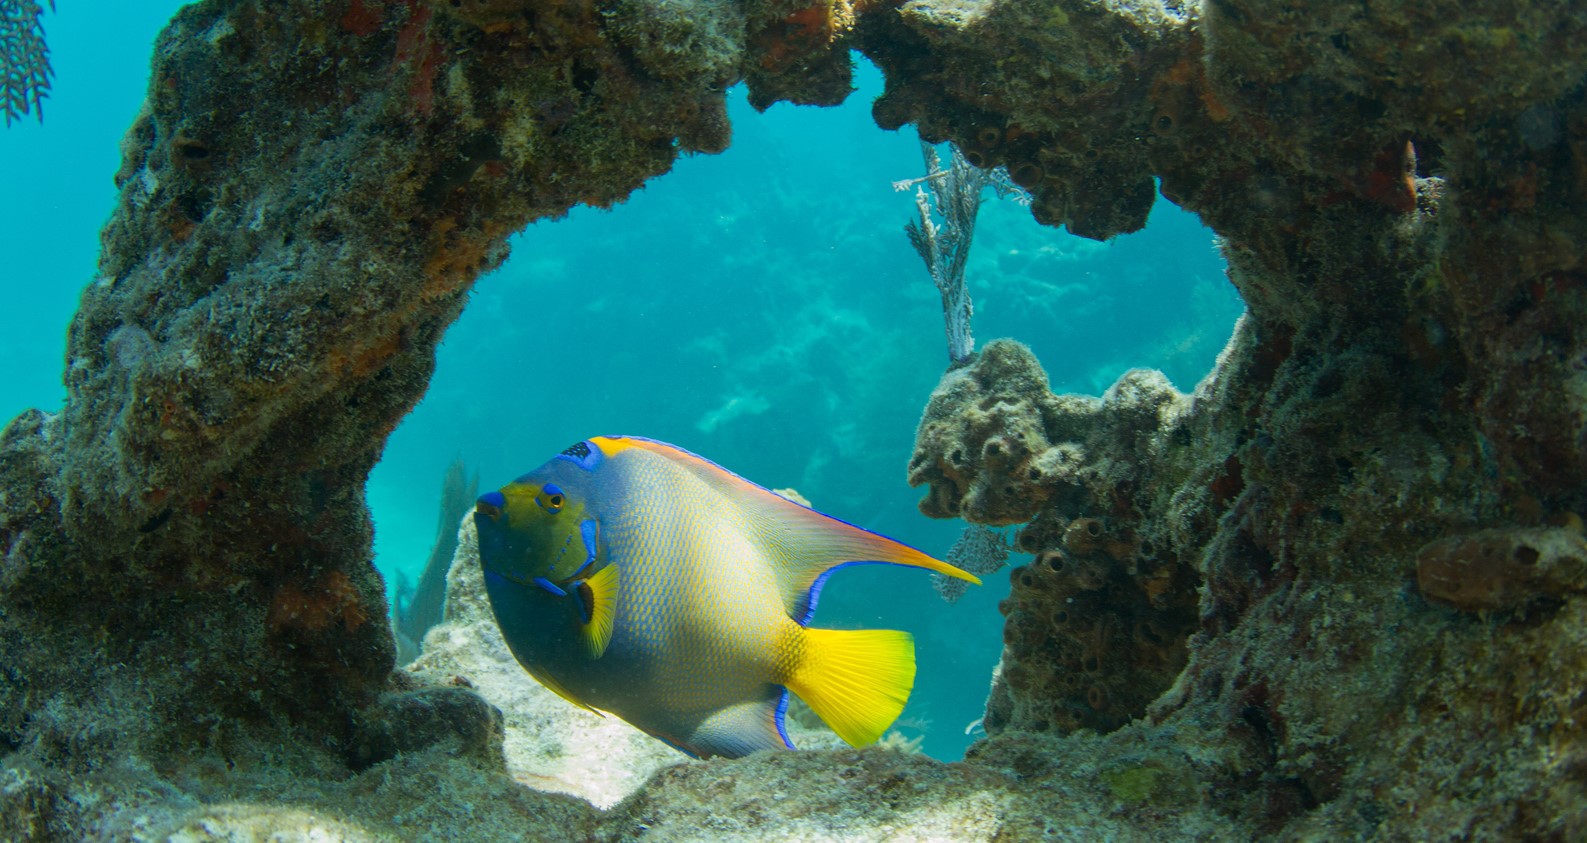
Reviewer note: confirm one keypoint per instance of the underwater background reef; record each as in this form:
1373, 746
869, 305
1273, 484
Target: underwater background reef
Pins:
802, 332
1332, 591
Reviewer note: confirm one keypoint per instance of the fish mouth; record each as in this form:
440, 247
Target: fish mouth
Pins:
490, 505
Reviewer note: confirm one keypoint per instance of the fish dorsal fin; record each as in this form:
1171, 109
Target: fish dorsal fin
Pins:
805, 546
802, 544
597, 598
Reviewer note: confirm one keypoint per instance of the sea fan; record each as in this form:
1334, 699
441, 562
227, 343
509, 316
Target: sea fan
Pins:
422, 606
980, 550
955, 195
24, 58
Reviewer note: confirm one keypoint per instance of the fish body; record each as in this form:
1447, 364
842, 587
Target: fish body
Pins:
633, 577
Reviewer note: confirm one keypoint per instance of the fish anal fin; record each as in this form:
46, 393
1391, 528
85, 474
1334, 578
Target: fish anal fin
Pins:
737, 730
857, 681
597, 598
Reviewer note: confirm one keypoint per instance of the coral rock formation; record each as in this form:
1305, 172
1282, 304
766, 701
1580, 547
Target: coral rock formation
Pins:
1096, 625
1395, 428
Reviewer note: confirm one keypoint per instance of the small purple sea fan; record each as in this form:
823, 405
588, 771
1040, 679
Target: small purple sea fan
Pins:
980, 550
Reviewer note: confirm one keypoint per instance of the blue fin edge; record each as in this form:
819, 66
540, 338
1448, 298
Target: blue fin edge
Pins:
674, 744
821, 580
782, 711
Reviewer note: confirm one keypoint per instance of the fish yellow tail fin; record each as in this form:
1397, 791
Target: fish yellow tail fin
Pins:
856, 680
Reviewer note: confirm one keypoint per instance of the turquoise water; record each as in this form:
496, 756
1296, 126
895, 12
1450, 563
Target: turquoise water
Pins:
761, 308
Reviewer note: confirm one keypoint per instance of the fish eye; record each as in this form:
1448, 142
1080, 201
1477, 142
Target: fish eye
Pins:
551, 498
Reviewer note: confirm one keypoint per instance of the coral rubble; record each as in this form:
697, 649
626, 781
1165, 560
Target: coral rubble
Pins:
1335, 593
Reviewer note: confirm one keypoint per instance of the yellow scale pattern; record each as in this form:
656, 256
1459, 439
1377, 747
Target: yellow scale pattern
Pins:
700, 601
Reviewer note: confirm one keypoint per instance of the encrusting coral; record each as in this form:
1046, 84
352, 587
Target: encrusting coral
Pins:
1335, 534
1504, 569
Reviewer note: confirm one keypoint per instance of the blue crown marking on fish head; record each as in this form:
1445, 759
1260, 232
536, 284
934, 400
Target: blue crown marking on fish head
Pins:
583, 454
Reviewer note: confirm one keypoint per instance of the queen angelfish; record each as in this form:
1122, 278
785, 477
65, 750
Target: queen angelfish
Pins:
633, 577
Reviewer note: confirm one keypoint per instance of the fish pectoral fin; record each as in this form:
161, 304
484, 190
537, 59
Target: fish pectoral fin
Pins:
597, 599
857, 681
556, 688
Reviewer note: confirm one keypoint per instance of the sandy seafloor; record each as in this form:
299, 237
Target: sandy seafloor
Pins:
761, 307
